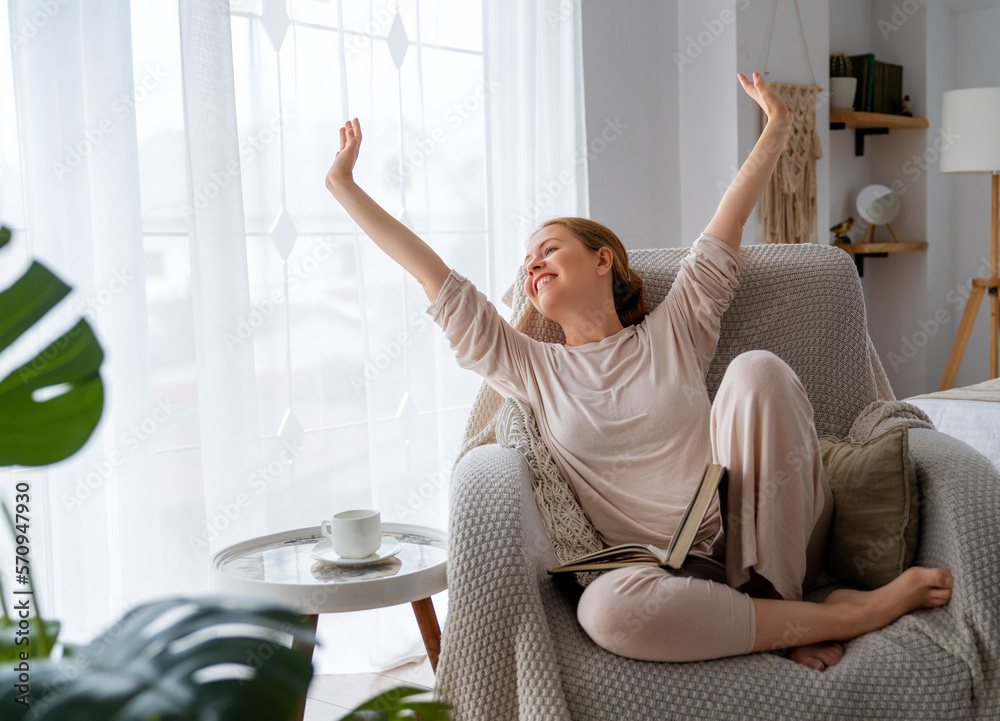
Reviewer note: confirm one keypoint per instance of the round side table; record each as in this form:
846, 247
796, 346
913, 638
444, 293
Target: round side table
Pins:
279, 568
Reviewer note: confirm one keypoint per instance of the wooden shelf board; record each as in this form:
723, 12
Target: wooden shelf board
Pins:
871, 248
854, 119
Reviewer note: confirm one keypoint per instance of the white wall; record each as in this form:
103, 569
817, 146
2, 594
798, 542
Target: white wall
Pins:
709, 153
786, 63
665, 68
631, 79
977, 64
941, 52
896, 286
848, 174
668, 70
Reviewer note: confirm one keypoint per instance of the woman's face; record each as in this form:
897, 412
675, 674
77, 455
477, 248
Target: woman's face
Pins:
561, 270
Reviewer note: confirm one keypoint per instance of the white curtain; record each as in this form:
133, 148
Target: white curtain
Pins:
97, 514
167, 160
538, 139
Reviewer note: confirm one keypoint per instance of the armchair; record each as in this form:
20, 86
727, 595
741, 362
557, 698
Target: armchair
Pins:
512, 647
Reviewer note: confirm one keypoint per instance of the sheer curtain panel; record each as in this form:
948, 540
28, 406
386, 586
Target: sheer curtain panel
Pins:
95, 515
538, 138
266, 364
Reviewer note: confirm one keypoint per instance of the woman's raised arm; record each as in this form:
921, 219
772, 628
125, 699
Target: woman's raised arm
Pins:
399, 242
746, 189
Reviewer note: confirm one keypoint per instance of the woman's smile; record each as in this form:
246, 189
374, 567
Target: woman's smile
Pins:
543, 279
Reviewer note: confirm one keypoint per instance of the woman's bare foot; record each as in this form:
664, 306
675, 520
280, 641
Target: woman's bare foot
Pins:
915, 588
819, 656
847, 614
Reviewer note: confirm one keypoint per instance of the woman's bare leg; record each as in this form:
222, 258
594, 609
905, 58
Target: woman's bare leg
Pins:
819, 656
847, 614
780, 513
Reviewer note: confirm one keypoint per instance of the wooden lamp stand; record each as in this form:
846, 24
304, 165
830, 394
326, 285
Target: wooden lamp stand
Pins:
869, 236
979, 287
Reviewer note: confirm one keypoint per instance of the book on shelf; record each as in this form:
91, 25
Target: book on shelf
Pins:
880, 85
887, 96
713, 479
863, 68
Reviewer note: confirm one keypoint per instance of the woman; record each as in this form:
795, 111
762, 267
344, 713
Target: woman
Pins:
624, 410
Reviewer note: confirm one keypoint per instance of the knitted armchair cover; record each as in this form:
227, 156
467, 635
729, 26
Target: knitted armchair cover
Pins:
512, 648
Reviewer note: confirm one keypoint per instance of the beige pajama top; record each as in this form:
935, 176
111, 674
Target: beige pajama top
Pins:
625, 418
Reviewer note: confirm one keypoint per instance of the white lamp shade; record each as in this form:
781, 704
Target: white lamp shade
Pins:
970, 118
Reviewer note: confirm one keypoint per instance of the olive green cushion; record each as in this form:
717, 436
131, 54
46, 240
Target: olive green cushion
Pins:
876, 509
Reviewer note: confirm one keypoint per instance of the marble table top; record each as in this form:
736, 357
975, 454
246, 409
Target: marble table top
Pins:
280, 568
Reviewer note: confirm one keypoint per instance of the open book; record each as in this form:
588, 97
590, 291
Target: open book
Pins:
634, 554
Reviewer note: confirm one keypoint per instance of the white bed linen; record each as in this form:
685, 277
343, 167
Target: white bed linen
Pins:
974, 422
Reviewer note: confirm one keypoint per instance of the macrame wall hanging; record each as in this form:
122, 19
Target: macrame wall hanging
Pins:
788, 206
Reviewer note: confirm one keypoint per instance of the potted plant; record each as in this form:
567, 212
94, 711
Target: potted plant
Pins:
843, 85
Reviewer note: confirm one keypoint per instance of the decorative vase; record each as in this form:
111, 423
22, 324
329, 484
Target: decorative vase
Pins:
842, 92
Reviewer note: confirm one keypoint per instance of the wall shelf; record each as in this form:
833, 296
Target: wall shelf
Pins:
872, 124
855, 119
875, 250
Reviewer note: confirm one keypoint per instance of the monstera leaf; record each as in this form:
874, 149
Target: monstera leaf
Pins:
51, 404
213, 658
400, 704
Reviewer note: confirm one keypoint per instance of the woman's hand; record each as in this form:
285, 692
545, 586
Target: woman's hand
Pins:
743, 193
341, 173
773, 106
398, 241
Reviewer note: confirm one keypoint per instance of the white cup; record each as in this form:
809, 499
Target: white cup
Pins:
354, 534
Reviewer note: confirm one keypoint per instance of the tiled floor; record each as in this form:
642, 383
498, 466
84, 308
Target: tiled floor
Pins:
330, 697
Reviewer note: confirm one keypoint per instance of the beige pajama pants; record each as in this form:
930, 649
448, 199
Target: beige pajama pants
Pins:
778, 518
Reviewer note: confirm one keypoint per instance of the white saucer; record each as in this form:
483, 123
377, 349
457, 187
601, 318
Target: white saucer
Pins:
323, 551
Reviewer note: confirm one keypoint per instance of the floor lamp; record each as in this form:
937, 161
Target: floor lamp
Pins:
972, 118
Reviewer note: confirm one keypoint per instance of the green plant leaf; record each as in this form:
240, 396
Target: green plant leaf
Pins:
41, 674
127, 639
38, 431
390, 705
390, 698
35, 432
428, 710
4, 236
25, 302
179, 659
10, 650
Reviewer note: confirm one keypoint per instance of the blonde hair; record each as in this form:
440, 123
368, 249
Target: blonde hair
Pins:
626, 285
